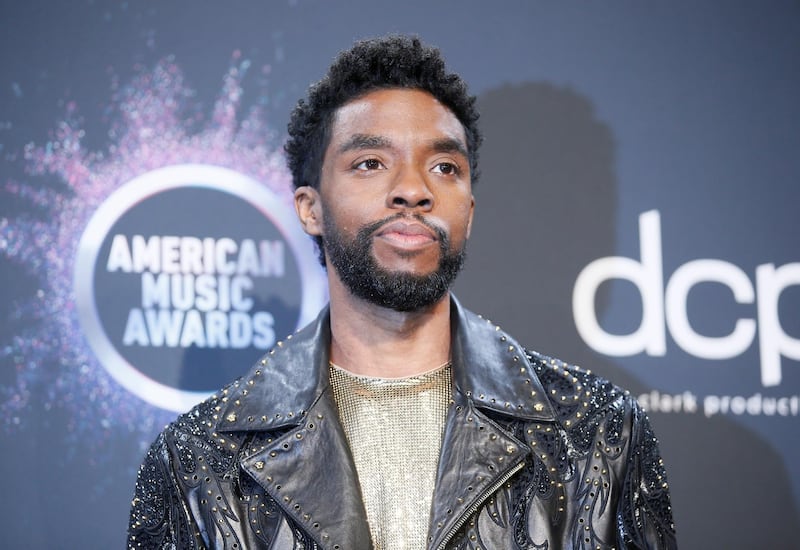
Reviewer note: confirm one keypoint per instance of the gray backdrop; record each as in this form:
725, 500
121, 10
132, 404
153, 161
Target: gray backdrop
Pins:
594, 114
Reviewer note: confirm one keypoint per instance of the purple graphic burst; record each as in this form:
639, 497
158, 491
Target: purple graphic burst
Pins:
155, 124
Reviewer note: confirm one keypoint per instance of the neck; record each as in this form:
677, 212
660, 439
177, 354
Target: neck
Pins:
370, 340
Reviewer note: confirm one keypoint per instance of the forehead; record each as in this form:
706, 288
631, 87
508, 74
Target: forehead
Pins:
399, 114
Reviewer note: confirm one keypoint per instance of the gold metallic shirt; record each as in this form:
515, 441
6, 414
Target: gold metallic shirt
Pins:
394, 427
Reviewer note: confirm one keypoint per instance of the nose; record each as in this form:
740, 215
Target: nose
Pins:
410, 190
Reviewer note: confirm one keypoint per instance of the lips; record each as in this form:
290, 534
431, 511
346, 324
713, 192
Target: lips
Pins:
407, 233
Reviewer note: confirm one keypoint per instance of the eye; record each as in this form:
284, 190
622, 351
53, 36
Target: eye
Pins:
446, 169
369, 164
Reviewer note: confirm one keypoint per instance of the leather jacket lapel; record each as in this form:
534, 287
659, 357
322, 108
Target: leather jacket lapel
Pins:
477, 457
310, 473
307, 468
491, 369
491, 372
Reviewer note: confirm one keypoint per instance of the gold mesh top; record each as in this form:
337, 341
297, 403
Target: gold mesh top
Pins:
394, 427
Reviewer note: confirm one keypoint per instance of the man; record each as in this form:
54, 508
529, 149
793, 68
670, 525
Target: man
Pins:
400, 420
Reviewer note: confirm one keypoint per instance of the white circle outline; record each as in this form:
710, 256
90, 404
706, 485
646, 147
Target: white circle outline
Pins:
314, 295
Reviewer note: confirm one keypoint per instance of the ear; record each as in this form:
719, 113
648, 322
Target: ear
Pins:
308, 205
471, 214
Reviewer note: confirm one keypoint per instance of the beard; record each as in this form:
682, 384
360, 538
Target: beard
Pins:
398, 290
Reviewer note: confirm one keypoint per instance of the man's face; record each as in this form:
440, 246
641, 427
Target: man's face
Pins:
396, 199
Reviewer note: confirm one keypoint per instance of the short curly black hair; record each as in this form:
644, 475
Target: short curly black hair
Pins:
393, 61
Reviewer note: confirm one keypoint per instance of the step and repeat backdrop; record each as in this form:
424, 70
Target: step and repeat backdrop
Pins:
637, 214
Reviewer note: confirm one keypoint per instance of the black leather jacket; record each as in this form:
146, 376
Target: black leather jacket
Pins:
535, 454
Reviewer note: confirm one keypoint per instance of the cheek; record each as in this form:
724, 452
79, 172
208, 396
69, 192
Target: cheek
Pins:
459, 230
465, 217
341, 220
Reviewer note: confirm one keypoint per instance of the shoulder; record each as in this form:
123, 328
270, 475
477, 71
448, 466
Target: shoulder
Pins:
574, 383
584, 400
601, 421
193, 436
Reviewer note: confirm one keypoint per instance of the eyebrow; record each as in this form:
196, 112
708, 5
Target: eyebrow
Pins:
449, 145
364, 141
370, 141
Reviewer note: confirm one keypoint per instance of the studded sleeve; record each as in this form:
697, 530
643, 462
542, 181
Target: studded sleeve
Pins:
159, 519
644, 515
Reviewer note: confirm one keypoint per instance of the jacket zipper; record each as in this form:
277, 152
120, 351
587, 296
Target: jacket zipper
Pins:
477, 504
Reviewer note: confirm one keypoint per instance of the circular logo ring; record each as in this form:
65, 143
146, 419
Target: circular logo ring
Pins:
147, 185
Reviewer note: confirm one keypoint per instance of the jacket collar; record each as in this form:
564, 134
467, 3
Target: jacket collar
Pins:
310, 463
490, 368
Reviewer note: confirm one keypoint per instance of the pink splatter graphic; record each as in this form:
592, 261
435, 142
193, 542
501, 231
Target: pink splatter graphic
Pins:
155, 124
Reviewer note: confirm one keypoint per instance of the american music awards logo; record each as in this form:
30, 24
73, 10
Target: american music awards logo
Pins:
185, 275
159, 267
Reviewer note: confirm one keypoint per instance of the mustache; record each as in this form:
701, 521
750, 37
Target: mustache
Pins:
372, 228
